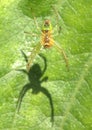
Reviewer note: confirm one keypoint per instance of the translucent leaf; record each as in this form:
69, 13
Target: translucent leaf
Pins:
53, 96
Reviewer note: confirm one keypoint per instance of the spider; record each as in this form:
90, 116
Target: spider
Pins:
46, 41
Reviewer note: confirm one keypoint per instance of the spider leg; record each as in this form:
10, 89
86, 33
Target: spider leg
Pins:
64, 55
32, 34
35, 21
58, 18
32, 56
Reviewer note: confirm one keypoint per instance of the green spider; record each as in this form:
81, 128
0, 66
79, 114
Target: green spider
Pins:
47, 41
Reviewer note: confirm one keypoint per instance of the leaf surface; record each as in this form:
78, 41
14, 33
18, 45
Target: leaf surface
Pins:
50, 91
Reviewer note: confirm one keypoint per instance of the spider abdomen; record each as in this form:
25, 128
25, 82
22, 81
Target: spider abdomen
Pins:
47, 40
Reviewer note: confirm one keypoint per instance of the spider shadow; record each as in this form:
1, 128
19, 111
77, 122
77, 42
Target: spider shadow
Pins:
34, 75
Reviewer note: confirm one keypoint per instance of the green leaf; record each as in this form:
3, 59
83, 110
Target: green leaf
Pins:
50, 92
